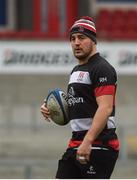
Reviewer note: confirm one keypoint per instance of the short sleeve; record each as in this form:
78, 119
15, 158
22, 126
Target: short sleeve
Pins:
104, 80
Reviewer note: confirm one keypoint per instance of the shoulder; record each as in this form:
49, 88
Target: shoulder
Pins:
103, 72
74, 69
103, 66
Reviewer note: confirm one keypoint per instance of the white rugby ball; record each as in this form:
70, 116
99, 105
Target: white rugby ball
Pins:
56, 102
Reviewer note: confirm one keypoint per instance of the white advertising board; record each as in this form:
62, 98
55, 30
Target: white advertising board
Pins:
32, 57
36, 57
122, 55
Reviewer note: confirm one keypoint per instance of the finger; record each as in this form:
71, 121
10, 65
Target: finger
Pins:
82, 159
45, 113
87, 156
44, 109
44, 106
48, 119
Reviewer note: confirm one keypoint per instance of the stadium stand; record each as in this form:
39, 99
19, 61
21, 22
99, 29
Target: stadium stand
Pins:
113, 22
117, 24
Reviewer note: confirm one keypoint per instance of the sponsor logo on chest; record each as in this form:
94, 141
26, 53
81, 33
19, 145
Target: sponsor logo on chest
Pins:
72, 100
80, 77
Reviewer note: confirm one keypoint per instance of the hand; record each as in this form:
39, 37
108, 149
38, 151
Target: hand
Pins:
45, 112
83, 152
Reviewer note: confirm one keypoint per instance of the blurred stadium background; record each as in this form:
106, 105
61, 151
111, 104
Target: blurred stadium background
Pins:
35, 56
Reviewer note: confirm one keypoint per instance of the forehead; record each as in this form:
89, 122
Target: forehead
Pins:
78, 35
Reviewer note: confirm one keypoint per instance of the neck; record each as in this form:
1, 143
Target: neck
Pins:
85, 60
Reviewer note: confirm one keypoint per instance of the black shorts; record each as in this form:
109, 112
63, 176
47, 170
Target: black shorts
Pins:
100, 166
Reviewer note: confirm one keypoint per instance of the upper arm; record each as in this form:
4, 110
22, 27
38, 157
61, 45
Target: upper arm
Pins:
105, 101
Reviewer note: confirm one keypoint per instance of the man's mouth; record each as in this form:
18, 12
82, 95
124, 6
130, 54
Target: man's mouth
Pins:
77, 50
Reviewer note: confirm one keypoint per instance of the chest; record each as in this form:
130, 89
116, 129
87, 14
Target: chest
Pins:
80, 77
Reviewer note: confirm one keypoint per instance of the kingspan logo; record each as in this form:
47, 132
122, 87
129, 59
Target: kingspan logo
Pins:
72, 100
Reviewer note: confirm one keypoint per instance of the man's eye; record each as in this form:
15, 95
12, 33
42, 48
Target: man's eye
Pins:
82, 37
72, 38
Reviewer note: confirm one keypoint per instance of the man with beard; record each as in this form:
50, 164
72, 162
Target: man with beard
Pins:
93, 148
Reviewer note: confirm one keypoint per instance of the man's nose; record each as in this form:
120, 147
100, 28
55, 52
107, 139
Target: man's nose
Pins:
77, 41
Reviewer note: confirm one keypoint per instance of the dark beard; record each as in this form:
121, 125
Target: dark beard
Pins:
82, 58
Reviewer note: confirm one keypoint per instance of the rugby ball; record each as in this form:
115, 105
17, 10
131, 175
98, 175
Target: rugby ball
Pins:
56, 102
